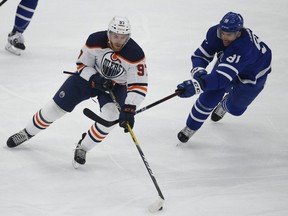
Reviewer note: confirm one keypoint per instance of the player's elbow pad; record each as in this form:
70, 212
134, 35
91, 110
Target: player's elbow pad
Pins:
216, 81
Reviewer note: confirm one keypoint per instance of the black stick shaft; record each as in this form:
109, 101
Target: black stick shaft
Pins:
2, 2
90, 114
158, 102
139, 149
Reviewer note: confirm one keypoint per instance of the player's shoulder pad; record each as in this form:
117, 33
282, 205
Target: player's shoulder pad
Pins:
243, 44
97, 39
132, 52
212, 32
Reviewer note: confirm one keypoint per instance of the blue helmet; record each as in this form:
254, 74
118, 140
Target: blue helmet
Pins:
231, 22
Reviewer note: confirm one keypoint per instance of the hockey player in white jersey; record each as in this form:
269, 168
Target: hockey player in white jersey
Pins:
110, 60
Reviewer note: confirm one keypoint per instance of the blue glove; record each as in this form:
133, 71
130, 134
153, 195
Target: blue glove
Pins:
101, 83
186, 89
193, 86
198, 72
127, 116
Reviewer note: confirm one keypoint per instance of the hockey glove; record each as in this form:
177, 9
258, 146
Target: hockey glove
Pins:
193, 86
127, 116
99, 82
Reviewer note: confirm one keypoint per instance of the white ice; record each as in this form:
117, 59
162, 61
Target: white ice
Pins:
237, 167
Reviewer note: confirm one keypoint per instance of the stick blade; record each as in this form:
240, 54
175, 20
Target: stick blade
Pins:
90, 114
157, 205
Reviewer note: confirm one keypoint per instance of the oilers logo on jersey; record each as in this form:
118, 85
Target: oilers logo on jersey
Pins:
111, 66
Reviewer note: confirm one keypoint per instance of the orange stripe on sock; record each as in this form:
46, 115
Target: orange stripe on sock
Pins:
96, 134
39, 122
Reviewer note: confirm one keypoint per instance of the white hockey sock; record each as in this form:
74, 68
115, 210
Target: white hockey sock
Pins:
44, 118
98, 132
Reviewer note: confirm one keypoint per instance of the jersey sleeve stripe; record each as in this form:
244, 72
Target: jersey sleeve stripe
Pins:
228, 66
131, 62
138, 90
137, 87
227, 70
225, 74
197, 56
205, 53
259, 75
80, 66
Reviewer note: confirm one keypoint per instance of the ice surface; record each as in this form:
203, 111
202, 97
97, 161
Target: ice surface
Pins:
237, 167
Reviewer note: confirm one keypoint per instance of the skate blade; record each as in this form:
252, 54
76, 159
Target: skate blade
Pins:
13, 49
75, 164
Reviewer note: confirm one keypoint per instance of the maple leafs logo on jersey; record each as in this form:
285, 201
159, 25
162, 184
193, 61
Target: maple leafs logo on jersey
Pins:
111, 66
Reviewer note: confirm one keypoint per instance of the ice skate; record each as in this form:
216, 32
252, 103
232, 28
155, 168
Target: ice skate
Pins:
79, 154
219, 112
18, 138
15, 43
185, 134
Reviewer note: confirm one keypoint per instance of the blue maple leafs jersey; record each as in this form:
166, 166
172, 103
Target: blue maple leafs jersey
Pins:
247, 58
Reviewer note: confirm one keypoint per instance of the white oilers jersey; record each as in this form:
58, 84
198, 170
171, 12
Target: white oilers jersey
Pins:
125, 67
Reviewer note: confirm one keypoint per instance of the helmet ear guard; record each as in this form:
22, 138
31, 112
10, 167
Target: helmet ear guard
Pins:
231, 22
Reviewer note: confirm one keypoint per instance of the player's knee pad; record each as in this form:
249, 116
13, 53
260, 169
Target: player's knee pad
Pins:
210, 99
51, 111
236, 111
109, 112
32, 4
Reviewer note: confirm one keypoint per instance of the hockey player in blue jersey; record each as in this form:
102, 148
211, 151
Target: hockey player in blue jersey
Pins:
239, 75
110, 60
24, 13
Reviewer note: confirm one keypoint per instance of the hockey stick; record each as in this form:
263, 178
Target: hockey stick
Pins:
2, 2
158, 204
69, 72
90, 114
